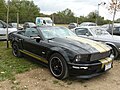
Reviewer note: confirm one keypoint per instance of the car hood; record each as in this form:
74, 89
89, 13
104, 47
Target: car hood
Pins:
110, 38
11, 30
80, 45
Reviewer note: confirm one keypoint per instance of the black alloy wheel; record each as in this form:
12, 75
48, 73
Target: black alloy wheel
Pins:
15, 50
58, 66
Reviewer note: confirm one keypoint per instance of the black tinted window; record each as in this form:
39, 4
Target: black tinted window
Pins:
1, 25
21, 32
117, 29
44, 22
31, 32
82, 31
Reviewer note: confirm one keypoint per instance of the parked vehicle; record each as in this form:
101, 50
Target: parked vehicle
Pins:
72, 25
116, 30
14, 25
64, 52
88, 24
44, 21
28, 25
3, 30
99, 34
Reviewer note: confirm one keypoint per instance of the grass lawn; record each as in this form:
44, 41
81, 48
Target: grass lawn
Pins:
11, 65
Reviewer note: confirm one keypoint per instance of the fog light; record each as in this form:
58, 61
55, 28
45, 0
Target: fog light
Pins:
76, 67
84, 67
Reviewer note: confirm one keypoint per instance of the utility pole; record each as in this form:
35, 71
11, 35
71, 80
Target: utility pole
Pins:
17, 20
7, 23
77, 21
97, 15
53, 19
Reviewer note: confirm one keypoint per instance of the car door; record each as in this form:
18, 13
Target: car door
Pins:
31, 45
2, 31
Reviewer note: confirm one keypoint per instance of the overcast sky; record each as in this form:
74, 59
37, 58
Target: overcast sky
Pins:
79, 7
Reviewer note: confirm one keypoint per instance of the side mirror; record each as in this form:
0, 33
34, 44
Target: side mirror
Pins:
37, 38
4, 26
87, 34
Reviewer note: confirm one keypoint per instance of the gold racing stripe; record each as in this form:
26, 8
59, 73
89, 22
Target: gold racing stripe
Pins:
34, 56
105, 61
99, 46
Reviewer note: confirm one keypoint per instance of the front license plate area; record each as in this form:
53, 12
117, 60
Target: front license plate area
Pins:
108, 66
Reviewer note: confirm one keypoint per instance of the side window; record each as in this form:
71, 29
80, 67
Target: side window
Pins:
119, 29
31, 32
21, 32
116, 29
44, 22
1, 25
82, 31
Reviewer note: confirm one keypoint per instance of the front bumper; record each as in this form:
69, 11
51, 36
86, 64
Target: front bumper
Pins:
90, 70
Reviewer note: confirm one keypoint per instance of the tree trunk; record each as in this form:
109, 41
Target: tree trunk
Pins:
113, 20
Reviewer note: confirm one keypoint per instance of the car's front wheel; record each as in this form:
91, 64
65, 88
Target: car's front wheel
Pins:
58, 66
15, 50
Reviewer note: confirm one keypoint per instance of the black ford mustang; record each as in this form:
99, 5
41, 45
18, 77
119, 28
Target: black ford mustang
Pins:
64, 52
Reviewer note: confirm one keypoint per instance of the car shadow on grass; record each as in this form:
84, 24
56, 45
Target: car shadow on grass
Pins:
38, 63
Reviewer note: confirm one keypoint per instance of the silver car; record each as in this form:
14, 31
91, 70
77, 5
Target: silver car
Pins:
3, 30
88, 24
98, 34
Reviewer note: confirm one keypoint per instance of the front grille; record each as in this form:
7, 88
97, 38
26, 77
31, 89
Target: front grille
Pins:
98, 56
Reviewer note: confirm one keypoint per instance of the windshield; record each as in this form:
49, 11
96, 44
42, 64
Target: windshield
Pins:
32, 24
14, 25
99, 31
52, 32
48, 21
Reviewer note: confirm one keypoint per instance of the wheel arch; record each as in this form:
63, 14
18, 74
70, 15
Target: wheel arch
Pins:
115, 49
112, 45
59, 51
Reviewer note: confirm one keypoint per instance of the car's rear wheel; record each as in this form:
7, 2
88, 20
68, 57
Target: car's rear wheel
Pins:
15, 50
58, 66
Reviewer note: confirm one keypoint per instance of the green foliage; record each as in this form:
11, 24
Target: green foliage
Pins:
2, 10
27, 10
64, 17
67, 16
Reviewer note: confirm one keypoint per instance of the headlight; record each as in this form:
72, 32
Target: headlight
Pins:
78, 58
82, 58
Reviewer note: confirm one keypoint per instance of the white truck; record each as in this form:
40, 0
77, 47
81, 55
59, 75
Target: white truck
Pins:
3, 30
44, 21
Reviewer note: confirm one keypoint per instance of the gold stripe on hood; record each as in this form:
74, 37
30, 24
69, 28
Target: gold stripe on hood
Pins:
105, 61
97, 45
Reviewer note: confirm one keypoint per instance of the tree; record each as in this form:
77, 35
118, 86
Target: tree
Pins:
27, 10
64, 17
92, 16
2, 10
114, 6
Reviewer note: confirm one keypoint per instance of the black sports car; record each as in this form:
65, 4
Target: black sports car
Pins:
64, 52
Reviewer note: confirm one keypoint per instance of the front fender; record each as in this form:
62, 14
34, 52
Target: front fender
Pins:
60, 51
112, 45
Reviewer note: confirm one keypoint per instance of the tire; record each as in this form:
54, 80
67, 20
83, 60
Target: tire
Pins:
58, 66
15, 50
115, 52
